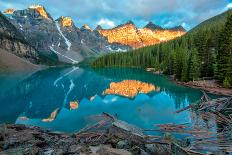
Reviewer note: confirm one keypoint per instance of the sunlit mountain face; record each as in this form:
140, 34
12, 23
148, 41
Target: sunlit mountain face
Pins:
41, 10
65, 21
129, 34
9, 11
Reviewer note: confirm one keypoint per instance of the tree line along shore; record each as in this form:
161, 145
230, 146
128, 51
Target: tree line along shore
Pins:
205, 51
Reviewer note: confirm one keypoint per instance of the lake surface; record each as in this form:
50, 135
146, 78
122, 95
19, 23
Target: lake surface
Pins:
31, 100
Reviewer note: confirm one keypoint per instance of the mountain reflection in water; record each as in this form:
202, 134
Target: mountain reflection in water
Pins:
130, 88
37, 97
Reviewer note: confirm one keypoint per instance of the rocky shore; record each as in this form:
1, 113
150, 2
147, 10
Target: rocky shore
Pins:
104, 138
110, 136
210, 86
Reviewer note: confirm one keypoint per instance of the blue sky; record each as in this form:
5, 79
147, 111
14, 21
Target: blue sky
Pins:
109, 13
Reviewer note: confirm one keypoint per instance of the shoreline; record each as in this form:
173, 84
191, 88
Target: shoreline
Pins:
210, 86
109, 135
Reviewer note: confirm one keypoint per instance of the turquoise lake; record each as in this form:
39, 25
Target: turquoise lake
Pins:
37, 96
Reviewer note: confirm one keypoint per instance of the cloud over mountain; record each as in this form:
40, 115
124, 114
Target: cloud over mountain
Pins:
110, 12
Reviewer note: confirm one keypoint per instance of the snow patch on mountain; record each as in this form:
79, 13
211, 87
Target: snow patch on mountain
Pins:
67, 42
21, 27
72, 60
117, 50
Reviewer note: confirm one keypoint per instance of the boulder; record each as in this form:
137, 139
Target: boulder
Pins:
127, 131
123, 144
106, 150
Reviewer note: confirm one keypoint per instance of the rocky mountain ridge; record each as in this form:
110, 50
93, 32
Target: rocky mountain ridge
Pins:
129, 34
60, 37
13, 41
72, 44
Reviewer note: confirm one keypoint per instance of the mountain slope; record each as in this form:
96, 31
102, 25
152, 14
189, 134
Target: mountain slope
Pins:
40, 30
12, 41
12, 63
218, 19
60, 37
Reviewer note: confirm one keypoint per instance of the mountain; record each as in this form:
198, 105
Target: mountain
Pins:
153, 26
129, 34
15, 50
43, 33
126, 34
61, 40
204, 51
210, 23
59, 37
177, 28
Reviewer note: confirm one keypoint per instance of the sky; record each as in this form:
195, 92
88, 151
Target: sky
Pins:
110, 13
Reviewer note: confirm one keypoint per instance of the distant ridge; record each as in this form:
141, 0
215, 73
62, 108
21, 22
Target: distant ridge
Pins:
151, 34
220, 19
153, 26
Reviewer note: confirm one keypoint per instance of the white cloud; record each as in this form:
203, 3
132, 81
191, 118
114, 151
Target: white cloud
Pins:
110, 12
229, 6
186, 26
169, 24
106, 23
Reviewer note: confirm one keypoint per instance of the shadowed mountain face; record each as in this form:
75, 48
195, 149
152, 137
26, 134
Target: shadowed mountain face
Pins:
13, 41
72, 44
14, 48
60, 36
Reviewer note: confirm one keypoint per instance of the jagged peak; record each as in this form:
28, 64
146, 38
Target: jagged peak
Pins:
65, 21
130, 22
126, 24
153, 26
98, 27
35, 6
178, 28
86, 27
40, 9
9, 11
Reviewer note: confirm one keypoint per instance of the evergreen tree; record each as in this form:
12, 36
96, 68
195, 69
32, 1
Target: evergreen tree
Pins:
185, 73
189, 57
225, 53
194, 65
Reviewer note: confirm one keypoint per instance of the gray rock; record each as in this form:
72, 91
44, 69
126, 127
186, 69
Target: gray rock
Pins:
156, 149
48, 151
50, 37
13, 41
127, 131
135, 150
151, 148
59, 151
123, 144
74, 148
106, 150
128, 127
142, 152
